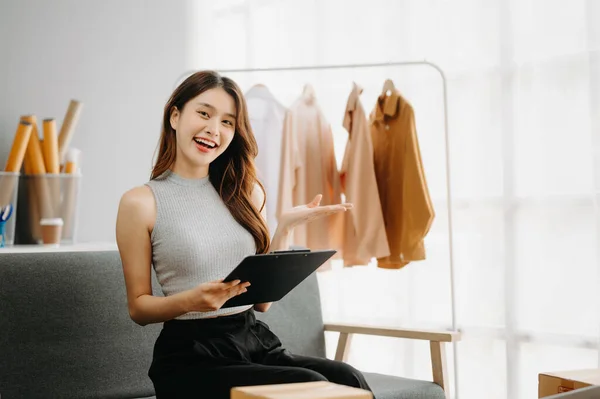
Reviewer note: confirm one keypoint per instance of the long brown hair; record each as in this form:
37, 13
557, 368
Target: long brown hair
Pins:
233, 173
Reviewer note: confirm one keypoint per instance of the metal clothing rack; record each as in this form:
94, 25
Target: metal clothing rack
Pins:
446, 142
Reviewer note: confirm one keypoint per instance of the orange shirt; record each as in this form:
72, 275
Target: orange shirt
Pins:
405, 201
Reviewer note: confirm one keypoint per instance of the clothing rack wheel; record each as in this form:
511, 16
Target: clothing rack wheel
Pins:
415, 63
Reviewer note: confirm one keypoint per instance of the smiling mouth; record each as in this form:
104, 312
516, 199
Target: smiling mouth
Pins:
205, 143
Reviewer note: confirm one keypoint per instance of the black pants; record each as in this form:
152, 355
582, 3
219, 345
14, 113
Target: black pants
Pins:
205, 358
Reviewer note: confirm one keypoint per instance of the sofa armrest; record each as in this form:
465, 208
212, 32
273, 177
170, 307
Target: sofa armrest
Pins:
427, 335
436, 344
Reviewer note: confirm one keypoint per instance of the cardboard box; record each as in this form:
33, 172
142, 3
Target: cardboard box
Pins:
302, 390
565, 381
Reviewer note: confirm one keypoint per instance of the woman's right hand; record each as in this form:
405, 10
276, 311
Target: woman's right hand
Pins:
211, 296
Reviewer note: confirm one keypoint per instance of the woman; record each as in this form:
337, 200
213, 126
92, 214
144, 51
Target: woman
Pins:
200, 214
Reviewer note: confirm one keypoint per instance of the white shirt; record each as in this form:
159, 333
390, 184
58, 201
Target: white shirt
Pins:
267, 116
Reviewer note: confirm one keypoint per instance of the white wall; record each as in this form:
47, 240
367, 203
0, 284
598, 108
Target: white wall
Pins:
121, 59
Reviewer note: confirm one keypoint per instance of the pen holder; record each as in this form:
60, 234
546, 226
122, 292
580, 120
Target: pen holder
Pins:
47, 197
9, 188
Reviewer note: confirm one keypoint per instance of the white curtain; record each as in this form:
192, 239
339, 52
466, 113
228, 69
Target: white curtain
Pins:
524, 120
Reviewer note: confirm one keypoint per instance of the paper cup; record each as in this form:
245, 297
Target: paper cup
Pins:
51, 229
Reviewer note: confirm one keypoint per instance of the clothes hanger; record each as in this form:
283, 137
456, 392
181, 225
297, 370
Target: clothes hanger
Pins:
308, 91
388, 88
258, 86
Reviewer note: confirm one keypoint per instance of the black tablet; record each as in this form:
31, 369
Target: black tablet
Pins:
273, 275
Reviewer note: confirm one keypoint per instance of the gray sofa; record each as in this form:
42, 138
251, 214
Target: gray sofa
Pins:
592, 392
65, 332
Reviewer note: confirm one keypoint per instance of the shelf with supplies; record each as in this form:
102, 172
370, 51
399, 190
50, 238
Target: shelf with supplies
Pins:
40, 181
79, 247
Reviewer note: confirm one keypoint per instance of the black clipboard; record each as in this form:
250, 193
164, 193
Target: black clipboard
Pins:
272, 276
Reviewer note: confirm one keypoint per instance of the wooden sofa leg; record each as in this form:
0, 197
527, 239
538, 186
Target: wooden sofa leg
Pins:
438, 366
341, 354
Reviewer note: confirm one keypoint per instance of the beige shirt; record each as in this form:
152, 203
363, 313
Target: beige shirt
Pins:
308, 168
407, 209
364, 231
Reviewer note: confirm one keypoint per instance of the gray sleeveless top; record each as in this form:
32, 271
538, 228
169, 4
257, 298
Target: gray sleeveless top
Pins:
195, 238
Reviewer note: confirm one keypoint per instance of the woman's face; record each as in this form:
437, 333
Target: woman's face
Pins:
204, 129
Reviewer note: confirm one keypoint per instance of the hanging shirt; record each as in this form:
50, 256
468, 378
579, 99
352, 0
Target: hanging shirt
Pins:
266, 116
308, 168
405, 201
364, 231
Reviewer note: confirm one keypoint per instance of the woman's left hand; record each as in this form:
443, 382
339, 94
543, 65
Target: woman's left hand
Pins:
309, 212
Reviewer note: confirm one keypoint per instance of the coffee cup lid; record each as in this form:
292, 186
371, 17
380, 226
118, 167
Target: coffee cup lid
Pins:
51, 222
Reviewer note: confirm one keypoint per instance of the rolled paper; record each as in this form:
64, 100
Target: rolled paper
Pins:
72, 160
52, 177
34, 206
14, 162
27, 161
39, 196
68, 128
34, 148
50, 147
46, 187
71, 188
27, 164
19, 146
41, 141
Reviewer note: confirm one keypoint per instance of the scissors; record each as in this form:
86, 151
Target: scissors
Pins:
5, 213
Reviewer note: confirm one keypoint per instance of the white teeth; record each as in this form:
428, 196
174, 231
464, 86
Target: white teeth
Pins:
208, 143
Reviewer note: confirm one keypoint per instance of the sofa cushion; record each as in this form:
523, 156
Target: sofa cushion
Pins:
390, 387
66, 331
